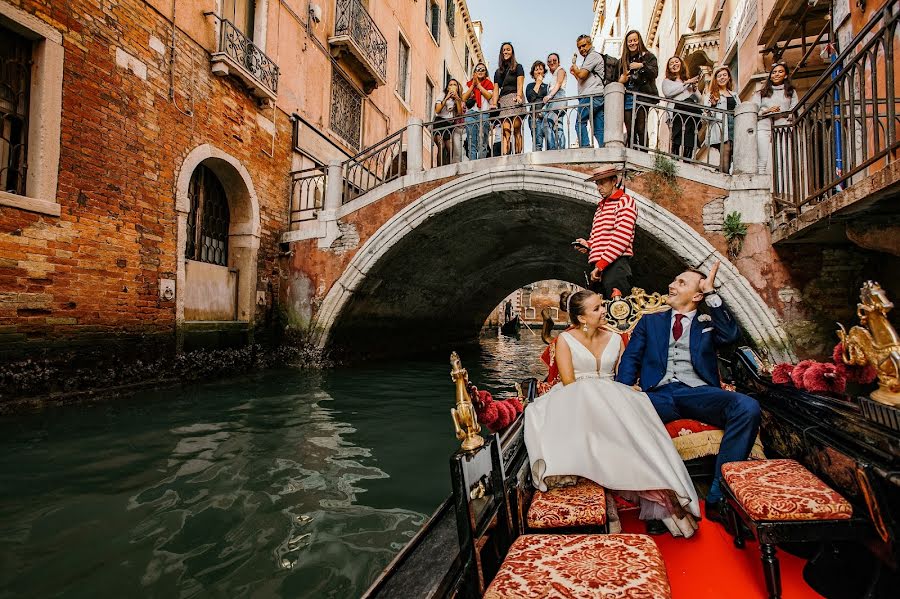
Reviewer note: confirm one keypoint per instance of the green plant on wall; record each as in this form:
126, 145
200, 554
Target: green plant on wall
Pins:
663, 176
735, 231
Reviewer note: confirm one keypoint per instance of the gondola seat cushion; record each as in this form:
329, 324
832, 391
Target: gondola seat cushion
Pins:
581, 566
582, 504
694, 439
783, 490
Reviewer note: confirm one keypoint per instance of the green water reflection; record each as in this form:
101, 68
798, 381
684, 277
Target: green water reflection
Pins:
281, 484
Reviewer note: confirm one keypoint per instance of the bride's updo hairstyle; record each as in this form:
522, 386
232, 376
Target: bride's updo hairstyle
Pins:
575, 306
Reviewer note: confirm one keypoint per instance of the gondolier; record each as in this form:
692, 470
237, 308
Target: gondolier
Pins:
610, 245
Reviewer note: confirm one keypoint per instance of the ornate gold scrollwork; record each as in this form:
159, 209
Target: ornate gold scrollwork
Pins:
465, 421
875, 342
623, 313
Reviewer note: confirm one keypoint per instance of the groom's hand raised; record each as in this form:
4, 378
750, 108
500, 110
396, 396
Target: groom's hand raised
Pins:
709, 283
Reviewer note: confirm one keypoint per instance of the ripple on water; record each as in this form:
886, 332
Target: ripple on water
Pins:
281, 484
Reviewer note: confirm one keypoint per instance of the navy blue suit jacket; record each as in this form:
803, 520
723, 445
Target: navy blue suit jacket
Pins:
647, 353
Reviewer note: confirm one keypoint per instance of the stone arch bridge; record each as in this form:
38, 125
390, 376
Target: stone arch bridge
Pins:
424, 258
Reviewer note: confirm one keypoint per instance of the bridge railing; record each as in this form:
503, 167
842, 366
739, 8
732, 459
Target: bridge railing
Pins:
561, 124
536, 127
846, 126
307, 193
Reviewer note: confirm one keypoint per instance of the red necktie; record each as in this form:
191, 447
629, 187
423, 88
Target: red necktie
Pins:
677, 329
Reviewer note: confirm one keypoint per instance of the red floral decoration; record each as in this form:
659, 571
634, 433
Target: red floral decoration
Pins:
494, 414
781, 374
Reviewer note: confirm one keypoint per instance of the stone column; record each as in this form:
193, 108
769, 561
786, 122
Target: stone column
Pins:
414, 145
744, 143
614, 115
334, 187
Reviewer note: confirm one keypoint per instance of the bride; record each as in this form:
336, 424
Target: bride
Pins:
596, 428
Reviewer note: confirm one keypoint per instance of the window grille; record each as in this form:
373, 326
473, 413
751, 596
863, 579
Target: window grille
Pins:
209, 208
451, 16
346, 109
15, 87
434, 24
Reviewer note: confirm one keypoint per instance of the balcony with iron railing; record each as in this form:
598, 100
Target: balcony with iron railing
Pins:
358, 41
236, 55
835, 155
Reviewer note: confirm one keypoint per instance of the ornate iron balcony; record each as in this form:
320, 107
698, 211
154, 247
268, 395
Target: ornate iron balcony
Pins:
238, 56
357, 38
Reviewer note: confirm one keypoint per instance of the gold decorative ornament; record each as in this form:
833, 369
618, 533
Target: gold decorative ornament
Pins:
623, 313
465, 421
875, 342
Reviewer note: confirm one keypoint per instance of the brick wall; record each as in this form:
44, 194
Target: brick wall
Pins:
95, 269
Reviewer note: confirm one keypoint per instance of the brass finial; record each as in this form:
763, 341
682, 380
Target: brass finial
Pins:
875, 342
464, 418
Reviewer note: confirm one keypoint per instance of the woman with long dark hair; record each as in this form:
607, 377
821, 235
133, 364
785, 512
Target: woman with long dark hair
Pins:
477, 98
447, 133
509, 79
776, 98
682, 90
721, 127
639, 72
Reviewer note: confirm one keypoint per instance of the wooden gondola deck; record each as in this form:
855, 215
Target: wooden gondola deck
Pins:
708, 566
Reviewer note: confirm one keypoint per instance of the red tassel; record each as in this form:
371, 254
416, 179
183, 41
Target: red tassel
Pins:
798, 372
781, 374
824, 378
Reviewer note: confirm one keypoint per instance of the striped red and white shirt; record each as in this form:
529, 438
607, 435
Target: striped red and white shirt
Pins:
612, 232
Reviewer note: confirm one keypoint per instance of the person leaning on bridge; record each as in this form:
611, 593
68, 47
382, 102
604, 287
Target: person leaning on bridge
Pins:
610, 245
673, 354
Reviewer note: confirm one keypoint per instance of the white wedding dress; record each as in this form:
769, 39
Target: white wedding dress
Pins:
609, 433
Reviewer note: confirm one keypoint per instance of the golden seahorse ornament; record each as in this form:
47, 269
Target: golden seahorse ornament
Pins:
464, 418
875, 342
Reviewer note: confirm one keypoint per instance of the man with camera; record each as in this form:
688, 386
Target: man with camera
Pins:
591, 77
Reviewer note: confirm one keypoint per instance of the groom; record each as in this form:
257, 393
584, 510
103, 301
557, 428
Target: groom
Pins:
674, 355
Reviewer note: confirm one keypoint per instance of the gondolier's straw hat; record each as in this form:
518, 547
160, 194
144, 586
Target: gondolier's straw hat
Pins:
605, 173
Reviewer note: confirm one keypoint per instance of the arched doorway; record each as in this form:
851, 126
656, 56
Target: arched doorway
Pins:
440, 265
218, 239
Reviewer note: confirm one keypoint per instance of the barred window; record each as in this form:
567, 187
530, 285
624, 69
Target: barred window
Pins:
451, 16
429, 99
15, 84
208, 219
346, 109
433, 19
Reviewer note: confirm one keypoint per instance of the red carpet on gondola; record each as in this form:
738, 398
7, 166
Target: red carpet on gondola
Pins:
709, 566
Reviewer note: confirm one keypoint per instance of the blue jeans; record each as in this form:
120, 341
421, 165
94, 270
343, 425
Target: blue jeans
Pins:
536, 124
555, 130
582, 128
477, 134
735, 413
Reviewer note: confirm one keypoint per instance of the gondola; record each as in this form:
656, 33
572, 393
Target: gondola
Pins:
511, 327
485, 541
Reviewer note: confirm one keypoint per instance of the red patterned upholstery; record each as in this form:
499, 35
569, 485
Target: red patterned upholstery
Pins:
581, 566
695, 439
783, 490
583, 504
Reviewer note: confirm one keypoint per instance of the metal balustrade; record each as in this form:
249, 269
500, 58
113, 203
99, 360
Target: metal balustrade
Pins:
355, 29
845, 127
237, 55
307, 193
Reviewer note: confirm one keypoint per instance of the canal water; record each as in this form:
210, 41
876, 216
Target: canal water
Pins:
286, 483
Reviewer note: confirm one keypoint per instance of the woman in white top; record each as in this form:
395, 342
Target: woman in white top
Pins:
447, 133
776, 99
591, 426
720, 134
685, 100
554, 120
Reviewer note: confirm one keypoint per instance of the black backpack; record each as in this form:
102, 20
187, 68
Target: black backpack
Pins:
611, 69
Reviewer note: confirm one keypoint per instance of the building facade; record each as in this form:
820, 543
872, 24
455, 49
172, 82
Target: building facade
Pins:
147, 144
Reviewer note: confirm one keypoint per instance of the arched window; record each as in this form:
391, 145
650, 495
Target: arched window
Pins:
207, 223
